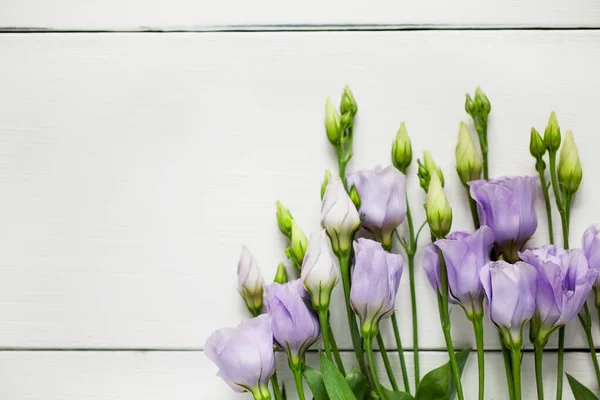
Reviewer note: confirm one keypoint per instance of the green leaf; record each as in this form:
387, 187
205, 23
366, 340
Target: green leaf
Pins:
357, 383
439, 384
391, 395
315, 382
336, 385
579, 391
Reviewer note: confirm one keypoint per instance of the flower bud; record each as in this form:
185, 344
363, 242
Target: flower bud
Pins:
437, 208
250, 282
355, 197
347, 120
402, 149
469, 163
426, 169
470, 106
569, 165
339, 216
552, 134
320, 270
299, 243
537, 148
326, 180
348, 104
483, 104
281, 276
332, 123
284, 220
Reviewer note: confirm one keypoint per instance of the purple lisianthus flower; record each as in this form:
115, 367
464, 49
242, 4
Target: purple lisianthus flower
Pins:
506, 205
382, 200
465, 254
564, 281
510, 290
431, 265
591, 249
244, 354
375, 282
295, 324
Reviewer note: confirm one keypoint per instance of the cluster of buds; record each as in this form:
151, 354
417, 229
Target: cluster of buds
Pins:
337, 122
479, 109
298, 241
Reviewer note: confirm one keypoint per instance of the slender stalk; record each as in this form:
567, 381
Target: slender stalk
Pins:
508, 369
298, 380
560, 363
586, 323
356, 341
445, 320
558, 198
275, 385
473, 207
401, 354
540, 168
386, 362
369, 349
516, 369
336, 352
261, 395
411, 250
325, 332
539, 381
478, 328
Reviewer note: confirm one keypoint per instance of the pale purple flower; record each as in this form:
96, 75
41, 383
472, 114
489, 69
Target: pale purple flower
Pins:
382, 200
510, 290
431, 265
375, 281
591, 248
564, 281
465, 254
295, 324
244, 354
506, 205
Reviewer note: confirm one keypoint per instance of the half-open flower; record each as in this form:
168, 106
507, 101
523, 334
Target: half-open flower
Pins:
250, 282
320, 270
339, 216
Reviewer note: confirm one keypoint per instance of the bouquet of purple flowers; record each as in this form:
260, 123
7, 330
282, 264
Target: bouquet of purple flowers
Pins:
487, 271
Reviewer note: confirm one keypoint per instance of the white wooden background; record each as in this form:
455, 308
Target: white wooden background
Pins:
134, 164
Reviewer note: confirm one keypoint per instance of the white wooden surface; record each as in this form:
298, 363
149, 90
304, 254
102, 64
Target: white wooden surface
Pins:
311, 14
134, 166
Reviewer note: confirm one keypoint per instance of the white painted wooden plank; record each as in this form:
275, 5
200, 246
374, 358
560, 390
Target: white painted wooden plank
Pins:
134, 166
190, 375
232, 14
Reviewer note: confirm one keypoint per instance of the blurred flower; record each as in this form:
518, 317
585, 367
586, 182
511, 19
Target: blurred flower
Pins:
339, 216
250, 282
244, 354
375, 281
591, 249
320, 270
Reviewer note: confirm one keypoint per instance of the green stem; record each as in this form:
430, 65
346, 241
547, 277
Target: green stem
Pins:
412, 249
445, 320
386, 362
369, 349
356, 341
336, 352
558, 198
516, 369
540, 168
539, 354
401, 354
473, 207
560, 363
298, 380
325, 332
586, 323
261, 393
478, 327
275, 385
508, 369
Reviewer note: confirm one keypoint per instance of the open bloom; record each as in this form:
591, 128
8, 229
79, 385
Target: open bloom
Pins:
591, 249
295, 324
506, 205
250, 282
244, 354
564, 281
375, 281
510, 290
383, 200
320, 270
465, 254
339, 216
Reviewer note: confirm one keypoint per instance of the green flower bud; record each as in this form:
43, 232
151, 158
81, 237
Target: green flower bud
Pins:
552, 134
437, 209
325, 183
346, 121
536, 144
432, 166
299, 243
569, 165
469, 163
470, 106
284, 220
281, 276
348, 104
483, 104
332, 123
423, 175
355, 197
402, 150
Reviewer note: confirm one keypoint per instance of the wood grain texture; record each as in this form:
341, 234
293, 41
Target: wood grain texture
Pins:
134, 166
309, 14
190, 375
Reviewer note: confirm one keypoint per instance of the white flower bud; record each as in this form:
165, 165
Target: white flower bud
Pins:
339, 216
320, 270
468, 161
250, 282
438, 210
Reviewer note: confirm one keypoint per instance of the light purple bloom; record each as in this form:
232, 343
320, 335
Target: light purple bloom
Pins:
591, 248
295, 324
382, 200
564, 281
431, 265
465, 254
244, 354
510, 290
375, 281
506, 205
